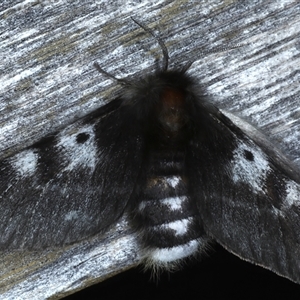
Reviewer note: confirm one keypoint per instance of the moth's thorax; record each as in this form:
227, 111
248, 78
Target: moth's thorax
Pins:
171, 109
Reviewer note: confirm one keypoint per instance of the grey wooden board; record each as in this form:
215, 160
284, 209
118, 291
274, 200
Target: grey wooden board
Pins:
47, 49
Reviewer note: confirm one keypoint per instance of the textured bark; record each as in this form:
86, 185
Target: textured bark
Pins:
47, 49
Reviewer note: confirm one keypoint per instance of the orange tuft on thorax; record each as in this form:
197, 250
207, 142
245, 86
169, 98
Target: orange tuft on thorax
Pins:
171, 109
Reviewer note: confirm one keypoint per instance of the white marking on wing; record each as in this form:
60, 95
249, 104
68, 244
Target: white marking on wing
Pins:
293, 194
142, 205
253, 172
72, 215
77, 154
25, 162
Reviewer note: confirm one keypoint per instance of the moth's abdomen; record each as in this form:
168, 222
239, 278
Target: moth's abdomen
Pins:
165, 215
167, 220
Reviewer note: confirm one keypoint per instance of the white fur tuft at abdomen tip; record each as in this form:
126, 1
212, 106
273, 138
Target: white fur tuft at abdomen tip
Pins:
165, 255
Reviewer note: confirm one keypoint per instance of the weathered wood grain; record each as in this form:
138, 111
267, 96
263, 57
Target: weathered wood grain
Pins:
47, 49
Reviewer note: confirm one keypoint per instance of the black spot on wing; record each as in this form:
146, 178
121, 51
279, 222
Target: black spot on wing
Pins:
248, 155
81, 138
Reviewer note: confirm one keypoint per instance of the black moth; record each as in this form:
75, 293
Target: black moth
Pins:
183, 171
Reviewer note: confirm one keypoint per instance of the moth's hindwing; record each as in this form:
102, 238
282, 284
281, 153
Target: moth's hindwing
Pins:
246, 201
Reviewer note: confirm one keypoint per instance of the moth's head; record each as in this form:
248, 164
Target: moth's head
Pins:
161, 98
163, 93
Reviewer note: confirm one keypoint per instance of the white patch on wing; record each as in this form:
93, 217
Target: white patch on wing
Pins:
180, 226
72, 215
170, 254
293, 194
142, 205
277, 212
252, 172
173, 181
78, 154
174, 203
25, 162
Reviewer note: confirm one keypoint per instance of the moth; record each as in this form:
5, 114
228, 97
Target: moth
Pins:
166, 156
